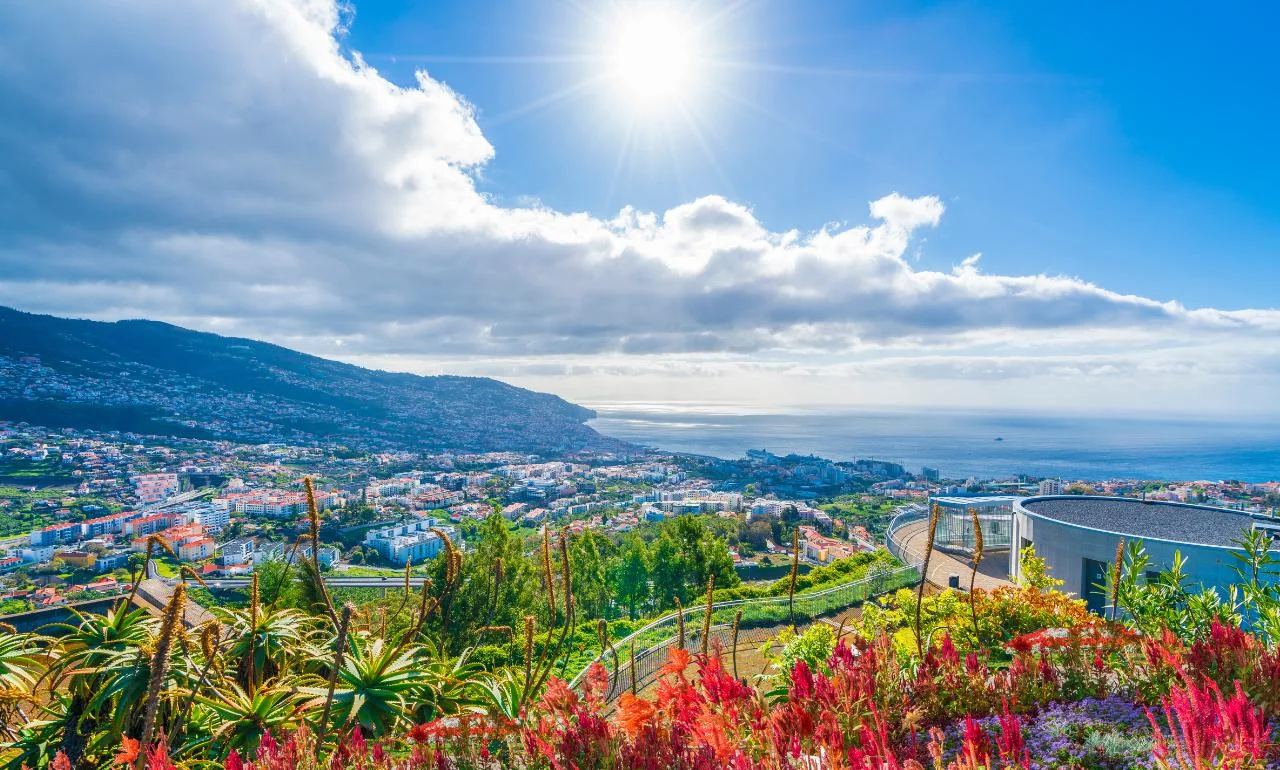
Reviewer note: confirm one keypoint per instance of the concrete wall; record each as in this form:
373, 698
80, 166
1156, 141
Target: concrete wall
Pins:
39, 620
1064, 547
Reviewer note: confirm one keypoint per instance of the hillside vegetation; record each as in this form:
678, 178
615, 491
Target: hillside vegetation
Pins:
150, 377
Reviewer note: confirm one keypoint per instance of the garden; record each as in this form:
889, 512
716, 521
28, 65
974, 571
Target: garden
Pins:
1171, 676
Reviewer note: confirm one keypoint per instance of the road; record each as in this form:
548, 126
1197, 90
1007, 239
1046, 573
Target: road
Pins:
334, 581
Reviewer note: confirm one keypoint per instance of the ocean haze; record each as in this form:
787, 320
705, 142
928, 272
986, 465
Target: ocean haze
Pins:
964, 444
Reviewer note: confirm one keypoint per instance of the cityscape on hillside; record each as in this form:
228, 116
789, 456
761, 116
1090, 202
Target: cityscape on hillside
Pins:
78, 507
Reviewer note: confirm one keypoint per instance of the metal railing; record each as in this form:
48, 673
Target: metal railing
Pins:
760, 618
909, 515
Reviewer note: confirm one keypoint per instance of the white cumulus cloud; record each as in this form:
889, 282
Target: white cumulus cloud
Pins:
230, 165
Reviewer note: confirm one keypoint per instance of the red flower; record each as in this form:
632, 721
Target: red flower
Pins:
60, 762
128, 752
597, 680
801, 681
1021, 643
677, 662
418, 733
558, 696
158, 757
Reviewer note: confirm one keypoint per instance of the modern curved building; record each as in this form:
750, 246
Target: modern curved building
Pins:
1077, 537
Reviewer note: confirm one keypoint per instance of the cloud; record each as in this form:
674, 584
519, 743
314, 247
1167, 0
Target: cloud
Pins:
233, 166
908, 213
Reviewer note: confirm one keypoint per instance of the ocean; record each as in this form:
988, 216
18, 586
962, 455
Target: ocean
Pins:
964, 444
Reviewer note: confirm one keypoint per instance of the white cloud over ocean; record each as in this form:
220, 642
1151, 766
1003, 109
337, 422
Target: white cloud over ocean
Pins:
228, 165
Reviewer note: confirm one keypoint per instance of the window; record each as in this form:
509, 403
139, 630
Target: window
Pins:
1093, 586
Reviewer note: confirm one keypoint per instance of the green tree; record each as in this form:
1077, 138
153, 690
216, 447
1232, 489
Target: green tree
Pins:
667, 572
685, 556
588, 553
756, 534
488, 595
630, 575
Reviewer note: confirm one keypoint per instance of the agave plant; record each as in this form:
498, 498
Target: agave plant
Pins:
450, 686
95, 656
377, 686
36, 742
265, 646
21, 662
241, 719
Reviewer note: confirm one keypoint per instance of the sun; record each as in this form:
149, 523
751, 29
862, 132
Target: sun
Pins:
653, 58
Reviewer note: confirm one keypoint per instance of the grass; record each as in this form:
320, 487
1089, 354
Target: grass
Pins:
387, 572
754, 615
166, 567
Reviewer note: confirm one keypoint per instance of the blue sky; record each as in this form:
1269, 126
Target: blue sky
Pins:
765, 205
1130, 146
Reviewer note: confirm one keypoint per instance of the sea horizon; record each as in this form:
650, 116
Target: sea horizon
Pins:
967, 443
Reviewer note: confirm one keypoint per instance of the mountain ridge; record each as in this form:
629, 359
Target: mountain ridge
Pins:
178, 381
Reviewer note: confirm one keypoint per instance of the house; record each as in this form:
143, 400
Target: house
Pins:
78, 559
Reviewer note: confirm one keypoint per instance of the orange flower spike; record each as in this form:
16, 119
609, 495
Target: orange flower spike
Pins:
634, 714
677, 662
128, 753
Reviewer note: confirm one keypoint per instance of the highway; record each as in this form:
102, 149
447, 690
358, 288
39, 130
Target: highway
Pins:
333, 581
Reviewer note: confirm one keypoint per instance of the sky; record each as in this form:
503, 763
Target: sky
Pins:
762, 204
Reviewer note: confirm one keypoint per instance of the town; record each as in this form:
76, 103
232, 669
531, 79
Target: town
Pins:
77, 507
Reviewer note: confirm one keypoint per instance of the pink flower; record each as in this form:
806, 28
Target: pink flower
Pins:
801, 681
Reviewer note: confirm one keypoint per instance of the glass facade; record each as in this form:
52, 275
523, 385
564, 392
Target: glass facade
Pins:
955, 523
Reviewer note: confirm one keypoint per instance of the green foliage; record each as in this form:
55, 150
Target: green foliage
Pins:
589, 555
1169, 601
813, 646
838, 572
630, 576
1035, 571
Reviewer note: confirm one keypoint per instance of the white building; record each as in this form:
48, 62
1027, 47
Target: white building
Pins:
1051, 487
213, 517
237, 552
154, 487
410, 541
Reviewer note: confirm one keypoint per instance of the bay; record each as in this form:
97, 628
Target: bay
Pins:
964, 444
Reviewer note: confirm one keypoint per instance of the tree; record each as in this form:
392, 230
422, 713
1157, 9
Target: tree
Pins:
757, 534
667, 572
685, 556
488, 595
587, 555
630, 575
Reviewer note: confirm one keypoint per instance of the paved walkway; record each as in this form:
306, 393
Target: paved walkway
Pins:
992, 573
153, 595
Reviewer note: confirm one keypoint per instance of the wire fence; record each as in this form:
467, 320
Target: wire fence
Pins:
758, 622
